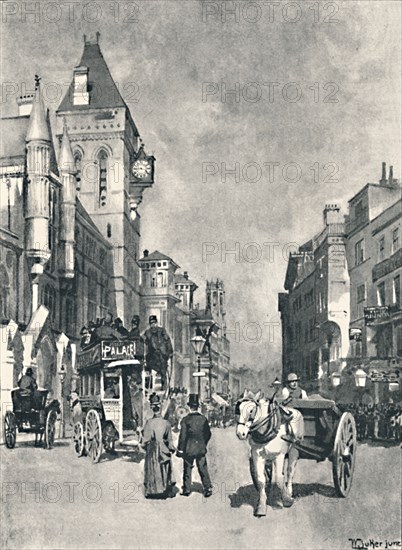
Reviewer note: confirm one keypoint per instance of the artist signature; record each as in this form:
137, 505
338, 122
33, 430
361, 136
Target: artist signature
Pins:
360, 544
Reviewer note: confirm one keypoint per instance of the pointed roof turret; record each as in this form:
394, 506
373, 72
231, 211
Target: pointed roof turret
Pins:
66, 160
38, 129
102, 89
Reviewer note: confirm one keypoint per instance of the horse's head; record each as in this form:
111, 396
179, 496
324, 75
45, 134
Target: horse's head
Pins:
245, 413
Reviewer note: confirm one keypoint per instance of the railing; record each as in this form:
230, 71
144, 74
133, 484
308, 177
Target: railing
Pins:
332, 229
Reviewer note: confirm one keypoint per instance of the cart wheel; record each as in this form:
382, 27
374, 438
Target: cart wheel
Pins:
10, 430
344, 454
79, 439
50, 428
93, 435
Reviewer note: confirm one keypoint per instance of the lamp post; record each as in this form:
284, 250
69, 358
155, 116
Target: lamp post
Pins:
62, 375
198, 343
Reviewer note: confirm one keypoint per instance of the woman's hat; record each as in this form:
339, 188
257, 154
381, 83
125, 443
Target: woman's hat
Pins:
153, 319
29, 371
292, 377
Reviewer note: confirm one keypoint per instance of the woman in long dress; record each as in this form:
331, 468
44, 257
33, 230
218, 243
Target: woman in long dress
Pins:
158, 444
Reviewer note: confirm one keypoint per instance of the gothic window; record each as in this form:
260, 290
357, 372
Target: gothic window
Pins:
92, 295
49, 300
103, 166
70, 315
160, 280
78, 167
395, 240
153, 280
4, 292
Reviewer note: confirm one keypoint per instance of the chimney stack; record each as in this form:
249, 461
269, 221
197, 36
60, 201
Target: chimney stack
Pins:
146, 252
332, 214
186, 275
383, 179
25, 103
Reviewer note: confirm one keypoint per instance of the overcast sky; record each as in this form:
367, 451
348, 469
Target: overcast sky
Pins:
335, 105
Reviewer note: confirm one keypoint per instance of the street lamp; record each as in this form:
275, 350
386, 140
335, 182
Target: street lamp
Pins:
62, 375
360, 378
336, 379
198, 343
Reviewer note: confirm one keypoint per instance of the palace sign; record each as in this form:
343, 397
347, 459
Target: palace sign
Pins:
118, 351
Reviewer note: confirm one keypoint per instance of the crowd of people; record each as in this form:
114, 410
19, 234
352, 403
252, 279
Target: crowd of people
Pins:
108, 328
381, 421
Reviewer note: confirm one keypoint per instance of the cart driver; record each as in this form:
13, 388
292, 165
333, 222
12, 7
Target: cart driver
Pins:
292, 388
28, 390
27, 383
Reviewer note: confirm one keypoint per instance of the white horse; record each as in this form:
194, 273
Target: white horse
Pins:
262, 422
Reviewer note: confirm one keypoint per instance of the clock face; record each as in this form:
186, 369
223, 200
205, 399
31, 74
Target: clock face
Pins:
141, 169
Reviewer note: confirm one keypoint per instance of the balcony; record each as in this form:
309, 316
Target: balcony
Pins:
388, 265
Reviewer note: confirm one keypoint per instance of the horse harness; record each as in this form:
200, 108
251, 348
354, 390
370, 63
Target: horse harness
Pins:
268, 428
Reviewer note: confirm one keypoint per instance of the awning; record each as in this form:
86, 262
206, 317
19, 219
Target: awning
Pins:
218, 399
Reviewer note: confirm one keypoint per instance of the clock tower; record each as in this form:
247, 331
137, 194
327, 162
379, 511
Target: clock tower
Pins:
112, 167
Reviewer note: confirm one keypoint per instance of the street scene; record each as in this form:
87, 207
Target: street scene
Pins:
105, 506
200, 275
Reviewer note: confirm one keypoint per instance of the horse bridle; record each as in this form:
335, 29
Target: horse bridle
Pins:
261, 423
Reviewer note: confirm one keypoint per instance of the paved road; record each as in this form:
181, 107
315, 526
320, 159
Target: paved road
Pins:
80, 505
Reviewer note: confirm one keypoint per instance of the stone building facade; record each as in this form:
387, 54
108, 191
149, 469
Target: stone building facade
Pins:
70, 224
315, 309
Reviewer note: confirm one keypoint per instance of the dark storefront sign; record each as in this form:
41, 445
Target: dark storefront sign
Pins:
355, 334
378, 375
375, 313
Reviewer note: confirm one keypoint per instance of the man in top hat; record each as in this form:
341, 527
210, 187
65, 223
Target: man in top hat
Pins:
292, 388
120, 330
195, 434
159, 348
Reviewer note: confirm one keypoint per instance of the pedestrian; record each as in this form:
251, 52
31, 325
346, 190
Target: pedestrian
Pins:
158, 444
195, 434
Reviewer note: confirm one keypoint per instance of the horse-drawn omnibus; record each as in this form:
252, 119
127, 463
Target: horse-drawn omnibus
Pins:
112, 383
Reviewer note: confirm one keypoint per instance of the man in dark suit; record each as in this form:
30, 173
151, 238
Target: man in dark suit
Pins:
159, 349
194, 436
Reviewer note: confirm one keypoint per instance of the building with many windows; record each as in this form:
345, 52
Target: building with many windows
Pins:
315, 309
343, 302
374, 255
